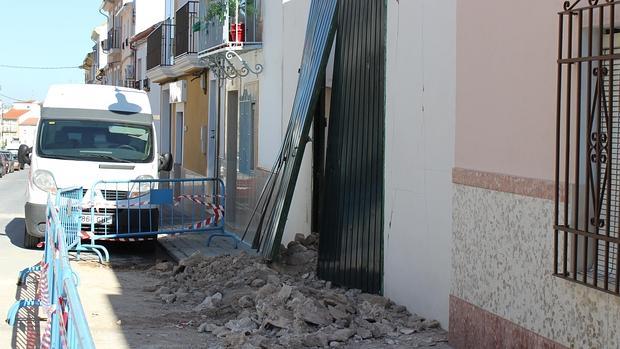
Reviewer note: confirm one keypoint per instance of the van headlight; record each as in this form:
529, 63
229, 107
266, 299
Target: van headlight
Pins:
142, 188
44, 180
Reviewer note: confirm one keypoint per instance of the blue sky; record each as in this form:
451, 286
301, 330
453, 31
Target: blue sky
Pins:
44, 33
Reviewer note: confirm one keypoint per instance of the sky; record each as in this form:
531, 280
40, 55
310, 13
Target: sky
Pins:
44, 33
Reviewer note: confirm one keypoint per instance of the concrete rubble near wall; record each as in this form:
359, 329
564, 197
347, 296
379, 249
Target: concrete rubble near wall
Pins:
240, 302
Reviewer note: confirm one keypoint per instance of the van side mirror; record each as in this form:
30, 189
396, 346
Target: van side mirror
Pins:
165, 162
23, 154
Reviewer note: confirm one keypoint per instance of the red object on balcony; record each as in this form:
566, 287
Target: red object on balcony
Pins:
237, 32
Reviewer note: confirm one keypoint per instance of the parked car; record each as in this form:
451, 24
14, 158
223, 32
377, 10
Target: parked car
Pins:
16, 165
12, 160
4, 165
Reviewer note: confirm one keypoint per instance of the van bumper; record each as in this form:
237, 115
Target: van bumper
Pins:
35, 219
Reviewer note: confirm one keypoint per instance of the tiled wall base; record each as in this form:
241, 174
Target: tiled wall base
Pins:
472, 327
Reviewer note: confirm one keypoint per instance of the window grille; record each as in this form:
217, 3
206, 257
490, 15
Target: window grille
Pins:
587, 177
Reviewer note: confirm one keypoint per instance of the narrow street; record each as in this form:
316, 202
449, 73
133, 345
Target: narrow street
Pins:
13, 257
119, 313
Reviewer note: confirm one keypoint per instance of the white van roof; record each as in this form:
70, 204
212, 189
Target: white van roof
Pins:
89, 101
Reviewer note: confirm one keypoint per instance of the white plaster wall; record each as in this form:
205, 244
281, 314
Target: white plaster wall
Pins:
295, 18
149, 12
270, 98
155, 93
283, 38
419, 144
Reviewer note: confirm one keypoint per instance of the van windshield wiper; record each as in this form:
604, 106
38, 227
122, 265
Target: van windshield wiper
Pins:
107, 157
63, 157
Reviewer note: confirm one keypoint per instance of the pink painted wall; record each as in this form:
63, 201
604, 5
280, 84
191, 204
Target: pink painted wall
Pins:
506, 86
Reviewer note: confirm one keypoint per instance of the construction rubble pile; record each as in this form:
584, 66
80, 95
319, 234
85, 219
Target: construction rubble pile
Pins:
241, 302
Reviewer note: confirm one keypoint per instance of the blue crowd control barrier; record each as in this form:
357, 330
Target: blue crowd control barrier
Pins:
57, 295
142, 209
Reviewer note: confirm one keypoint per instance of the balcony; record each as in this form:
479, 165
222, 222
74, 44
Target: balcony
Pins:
112, 44
159, 52
230, 26
186, 39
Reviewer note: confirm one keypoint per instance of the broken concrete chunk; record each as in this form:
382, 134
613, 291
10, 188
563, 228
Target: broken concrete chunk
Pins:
407, 331
300, 258
285, 293
431, 324
374, 299
364, 333
296, 248
178, 269
150, 288
258, 283
194, 259
203, 327
316, 339
266, 290
210, 302
246, 302
241, 325
342, 335
164, 266
163, 290
168, 298
337, 312
314, 313
301, 238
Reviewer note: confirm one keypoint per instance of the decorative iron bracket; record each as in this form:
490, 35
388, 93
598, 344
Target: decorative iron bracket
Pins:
230, 65
569, 5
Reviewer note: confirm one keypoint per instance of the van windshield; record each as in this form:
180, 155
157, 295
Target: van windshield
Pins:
89, 140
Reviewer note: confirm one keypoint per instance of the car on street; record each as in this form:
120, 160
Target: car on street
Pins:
12, 160
89, 133
4, 165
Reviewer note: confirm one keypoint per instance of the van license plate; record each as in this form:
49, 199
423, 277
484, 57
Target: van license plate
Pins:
99, 219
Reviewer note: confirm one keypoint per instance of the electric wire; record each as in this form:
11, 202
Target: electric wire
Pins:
9, 66
11, 98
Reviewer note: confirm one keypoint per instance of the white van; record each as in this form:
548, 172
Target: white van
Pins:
88, 133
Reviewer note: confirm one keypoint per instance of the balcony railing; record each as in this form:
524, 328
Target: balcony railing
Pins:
186, 40
160, 46
242, 26
113, 41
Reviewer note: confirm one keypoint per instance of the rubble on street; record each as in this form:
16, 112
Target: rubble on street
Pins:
241, 302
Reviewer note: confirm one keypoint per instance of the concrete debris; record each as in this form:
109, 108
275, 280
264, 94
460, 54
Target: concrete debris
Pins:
241, 302
164, 266
210, 302
258, 283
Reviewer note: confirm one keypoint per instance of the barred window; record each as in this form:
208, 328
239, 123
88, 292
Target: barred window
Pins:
587, 210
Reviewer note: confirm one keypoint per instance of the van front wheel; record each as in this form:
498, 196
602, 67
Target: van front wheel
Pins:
29, 240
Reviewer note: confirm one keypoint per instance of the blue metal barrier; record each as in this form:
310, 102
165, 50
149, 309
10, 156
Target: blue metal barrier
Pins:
66, 325
142, 209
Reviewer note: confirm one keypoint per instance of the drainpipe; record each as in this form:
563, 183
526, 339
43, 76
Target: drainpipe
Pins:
134, 53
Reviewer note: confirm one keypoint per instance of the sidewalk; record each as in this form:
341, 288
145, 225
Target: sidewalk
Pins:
184, 245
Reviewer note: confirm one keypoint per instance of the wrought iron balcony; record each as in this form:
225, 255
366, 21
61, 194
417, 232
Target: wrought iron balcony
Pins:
160, 46
186, 18
229, 25
113, 41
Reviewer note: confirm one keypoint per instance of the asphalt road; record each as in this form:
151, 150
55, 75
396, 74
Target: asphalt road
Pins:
100, 286
13, 256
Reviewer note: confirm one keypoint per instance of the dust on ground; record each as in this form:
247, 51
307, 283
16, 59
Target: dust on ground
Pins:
241, 302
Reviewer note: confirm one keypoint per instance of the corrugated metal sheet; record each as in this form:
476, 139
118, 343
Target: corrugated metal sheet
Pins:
276, 199
351, 232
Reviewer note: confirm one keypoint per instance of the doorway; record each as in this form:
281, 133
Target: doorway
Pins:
178, 139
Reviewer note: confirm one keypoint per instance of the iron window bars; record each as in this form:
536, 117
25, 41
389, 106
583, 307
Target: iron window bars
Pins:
587, 168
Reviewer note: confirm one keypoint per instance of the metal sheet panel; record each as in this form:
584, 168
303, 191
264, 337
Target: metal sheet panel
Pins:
276, 198
351, 230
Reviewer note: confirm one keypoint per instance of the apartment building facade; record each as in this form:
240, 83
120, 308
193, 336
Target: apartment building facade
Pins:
476, 212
